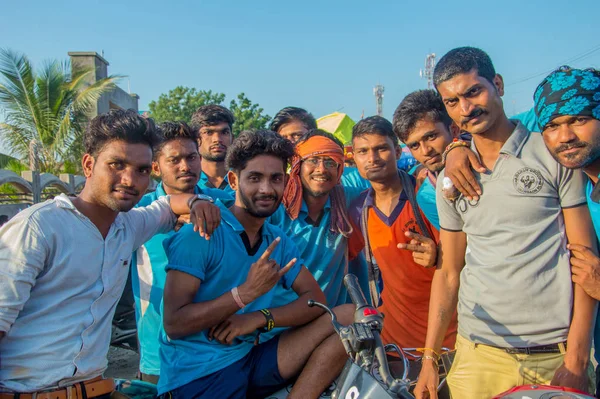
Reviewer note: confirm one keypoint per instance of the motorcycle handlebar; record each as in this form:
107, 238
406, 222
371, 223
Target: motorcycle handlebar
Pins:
356, 294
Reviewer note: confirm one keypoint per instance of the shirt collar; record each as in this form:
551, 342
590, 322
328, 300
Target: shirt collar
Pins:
515, 142
207, 183
64, 201
370, 199
304, 207
229, 218
160, 190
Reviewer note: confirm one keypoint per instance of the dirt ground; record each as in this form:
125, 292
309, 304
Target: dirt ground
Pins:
122, 363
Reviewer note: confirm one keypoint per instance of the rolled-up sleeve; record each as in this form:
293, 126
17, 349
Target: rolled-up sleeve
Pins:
150, 220
23, 253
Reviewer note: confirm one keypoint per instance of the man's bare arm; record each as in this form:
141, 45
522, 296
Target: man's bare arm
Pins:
579, 229
298, 313
444, 287
182, 317
442, 305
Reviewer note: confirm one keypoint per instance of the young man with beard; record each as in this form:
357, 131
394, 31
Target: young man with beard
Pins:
219, 295
567, 104
214, 124
521, 321
314, 215
177, 163
64, 263
400, 243
422, 123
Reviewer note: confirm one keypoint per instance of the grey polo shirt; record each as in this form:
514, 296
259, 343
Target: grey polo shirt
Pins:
515, 289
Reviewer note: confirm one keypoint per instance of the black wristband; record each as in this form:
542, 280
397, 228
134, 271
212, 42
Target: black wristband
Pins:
270, 321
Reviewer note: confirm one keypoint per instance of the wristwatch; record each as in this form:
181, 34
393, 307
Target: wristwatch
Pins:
201, 197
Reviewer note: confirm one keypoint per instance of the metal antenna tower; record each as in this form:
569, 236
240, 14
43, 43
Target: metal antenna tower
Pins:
378, 92
427, 73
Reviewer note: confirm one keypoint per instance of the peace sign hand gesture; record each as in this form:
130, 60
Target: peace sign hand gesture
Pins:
263, 275
424, 250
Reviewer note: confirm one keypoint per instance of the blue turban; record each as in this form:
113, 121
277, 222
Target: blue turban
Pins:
567, 91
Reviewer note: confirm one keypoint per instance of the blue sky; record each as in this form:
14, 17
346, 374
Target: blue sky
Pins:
320, 55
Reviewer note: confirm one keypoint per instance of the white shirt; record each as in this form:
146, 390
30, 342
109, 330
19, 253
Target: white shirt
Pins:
60, 282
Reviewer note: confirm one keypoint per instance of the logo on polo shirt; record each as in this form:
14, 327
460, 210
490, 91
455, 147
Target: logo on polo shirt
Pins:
528, 181
462, 204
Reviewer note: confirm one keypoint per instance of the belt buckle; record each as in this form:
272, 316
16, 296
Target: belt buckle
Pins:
518, 351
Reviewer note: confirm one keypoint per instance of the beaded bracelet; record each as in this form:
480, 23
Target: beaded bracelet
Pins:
455, 143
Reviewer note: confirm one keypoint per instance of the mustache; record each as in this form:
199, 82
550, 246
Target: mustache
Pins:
217, 147
375, 165
265, 198
321, 176
568, 146
128, 190
476, 112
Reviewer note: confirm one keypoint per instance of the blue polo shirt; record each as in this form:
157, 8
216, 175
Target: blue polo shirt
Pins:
205, 183
148, 277
325, 254
351, 178
595, 213
221, 263
426, 201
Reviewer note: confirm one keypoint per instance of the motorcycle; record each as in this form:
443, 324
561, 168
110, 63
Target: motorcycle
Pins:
366, 373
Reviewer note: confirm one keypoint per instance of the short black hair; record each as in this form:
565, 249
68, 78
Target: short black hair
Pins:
119, 124
290, 114
319, 132
464, 60
252, 143
210, 115
175, 130
374, 125
419, 105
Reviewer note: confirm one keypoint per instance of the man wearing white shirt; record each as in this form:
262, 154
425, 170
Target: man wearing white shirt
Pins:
64, 264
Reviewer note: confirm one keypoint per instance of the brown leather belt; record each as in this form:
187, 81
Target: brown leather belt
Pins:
87, 389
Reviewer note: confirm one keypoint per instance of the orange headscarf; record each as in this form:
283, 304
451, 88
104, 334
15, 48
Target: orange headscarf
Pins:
292, 196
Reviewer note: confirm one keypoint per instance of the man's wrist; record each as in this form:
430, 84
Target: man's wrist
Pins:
199, 197
245, 294
576, 360
456, 143
258, 320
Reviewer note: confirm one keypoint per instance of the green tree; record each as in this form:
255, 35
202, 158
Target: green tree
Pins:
247, 115
181, 103
45, 111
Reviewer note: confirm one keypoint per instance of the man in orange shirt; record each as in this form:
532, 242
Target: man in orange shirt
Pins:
400, 243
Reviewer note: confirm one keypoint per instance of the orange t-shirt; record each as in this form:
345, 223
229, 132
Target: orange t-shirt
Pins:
406, 285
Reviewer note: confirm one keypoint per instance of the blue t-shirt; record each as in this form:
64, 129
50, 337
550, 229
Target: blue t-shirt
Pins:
426, 201
352, 179
221, 263
595, 213
528, 119
148, 277
325, 254
205, 183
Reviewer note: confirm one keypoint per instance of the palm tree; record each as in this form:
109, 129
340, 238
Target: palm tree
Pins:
45, 111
